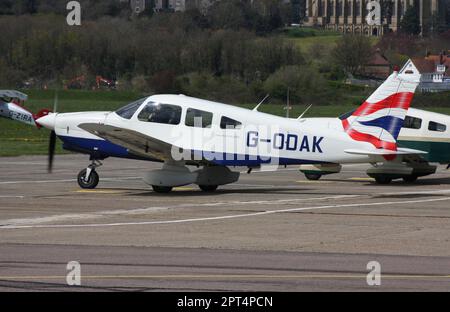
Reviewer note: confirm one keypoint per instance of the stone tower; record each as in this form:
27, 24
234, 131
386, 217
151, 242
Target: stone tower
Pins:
349, 16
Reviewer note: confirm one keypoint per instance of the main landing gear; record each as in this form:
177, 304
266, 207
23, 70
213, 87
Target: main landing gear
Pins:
313, 176
88, 178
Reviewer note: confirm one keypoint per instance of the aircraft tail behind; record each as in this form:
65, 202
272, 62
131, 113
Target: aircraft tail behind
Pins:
11, 107
379, 119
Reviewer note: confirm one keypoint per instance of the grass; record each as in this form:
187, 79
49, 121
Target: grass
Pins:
307, 38
19, 139
306, 43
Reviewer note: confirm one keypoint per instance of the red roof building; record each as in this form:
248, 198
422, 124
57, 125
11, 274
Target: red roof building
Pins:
435, 71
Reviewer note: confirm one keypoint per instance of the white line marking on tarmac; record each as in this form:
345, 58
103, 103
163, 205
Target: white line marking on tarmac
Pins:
24, 163
68, 180
418, 192
12, 196
255, 214
106, 213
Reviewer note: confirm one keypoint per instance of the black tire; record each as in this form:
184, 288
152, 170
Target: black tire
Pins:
313, 176
410, 179
383, 180
208, 188
91, 183
162, 189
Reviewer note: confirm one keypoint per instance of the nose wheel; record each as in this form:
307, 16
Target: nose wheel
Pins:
88, 178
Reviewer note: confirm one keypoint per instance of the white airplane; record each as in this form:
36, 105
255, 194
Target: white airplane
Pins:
181, 131
11, 107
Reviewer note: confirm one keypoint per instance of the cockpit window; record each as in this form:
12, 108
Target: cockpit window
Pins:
228, 123
434, 126
128, 111
412, 123
161, 113
198, 118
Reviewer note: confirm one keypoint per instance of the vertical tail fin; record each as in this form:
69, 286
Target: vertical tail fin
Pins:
379, 119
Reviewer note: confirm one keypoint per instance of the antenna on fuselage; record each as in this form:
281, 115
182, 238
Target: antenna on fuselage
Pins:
303, 114
288, 104
260, 103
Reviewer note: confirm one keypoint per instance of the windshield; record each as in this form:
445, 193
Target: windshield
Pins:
128, 111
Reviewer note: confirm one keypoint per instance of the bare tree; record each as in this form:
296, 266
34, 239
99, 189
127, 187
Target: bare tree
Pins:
352, 52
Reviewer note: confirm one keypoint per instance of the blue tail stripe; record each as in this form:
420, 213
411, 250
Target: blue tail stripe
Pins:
389, 123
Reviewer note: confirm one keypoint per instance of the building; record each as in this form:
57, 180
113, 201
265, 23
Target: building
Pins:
435, 72
378, 67
182, 5
139, 6
349, 16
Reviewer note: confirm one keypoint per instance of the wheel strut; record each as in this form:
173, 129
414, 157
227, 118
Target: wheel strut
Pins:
88, 178
92, 167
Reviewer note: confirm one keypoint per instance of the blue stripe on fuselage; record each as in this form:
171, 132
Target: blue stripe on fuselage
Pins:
99, 148
102, 149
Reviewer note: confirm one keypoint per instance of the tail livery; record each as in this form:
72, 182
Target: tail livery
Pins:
378, 120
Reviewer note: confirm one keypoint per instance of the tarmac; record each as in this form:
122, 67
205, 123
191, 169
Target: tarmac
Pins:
271, 231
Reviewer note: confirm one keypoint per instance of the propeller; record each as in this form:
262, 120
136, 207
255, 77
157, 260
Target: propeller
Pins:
51, 150
52, 139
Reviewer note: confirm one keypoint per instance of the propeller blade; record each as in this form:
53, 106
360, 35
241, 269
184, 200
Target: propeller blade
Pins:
51, 150
55, 102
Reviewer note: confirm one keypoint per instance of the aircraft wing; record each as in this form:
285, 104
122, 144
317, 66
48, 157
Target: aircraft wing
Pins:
136, 142
12, 94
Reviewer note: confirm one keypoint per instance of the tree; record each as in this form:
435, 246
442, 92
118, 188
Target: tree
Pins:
410, 23
352, 53
302, 82
447, 15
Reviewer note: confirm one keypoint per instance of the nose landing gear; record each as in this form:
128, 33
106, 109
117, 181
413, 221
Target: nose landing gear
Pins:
88, 178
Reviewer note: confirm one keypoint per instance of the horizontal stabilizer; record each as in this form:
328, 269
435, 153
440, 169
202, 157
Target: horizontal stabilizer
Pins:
385, 152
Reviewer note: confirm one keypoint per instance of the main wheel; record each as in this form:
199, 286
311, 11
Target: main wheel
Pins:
383, 180
91, 183
162, 189
410, 179
313, 176
208, 188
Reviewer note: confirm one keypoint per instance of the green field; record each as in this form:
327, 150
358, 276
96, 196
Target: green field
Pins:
307, 39
18, 139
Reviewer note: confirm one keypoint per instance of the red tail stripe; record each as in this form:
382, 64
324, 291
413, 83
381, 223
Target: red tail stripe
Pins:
398, 100
364, 137
346, 124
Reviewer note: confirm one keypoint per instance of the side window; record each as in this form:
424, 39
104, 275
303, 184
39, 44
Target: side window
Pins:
228, 123
412, 123
161, 113
198, 118
434, 126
